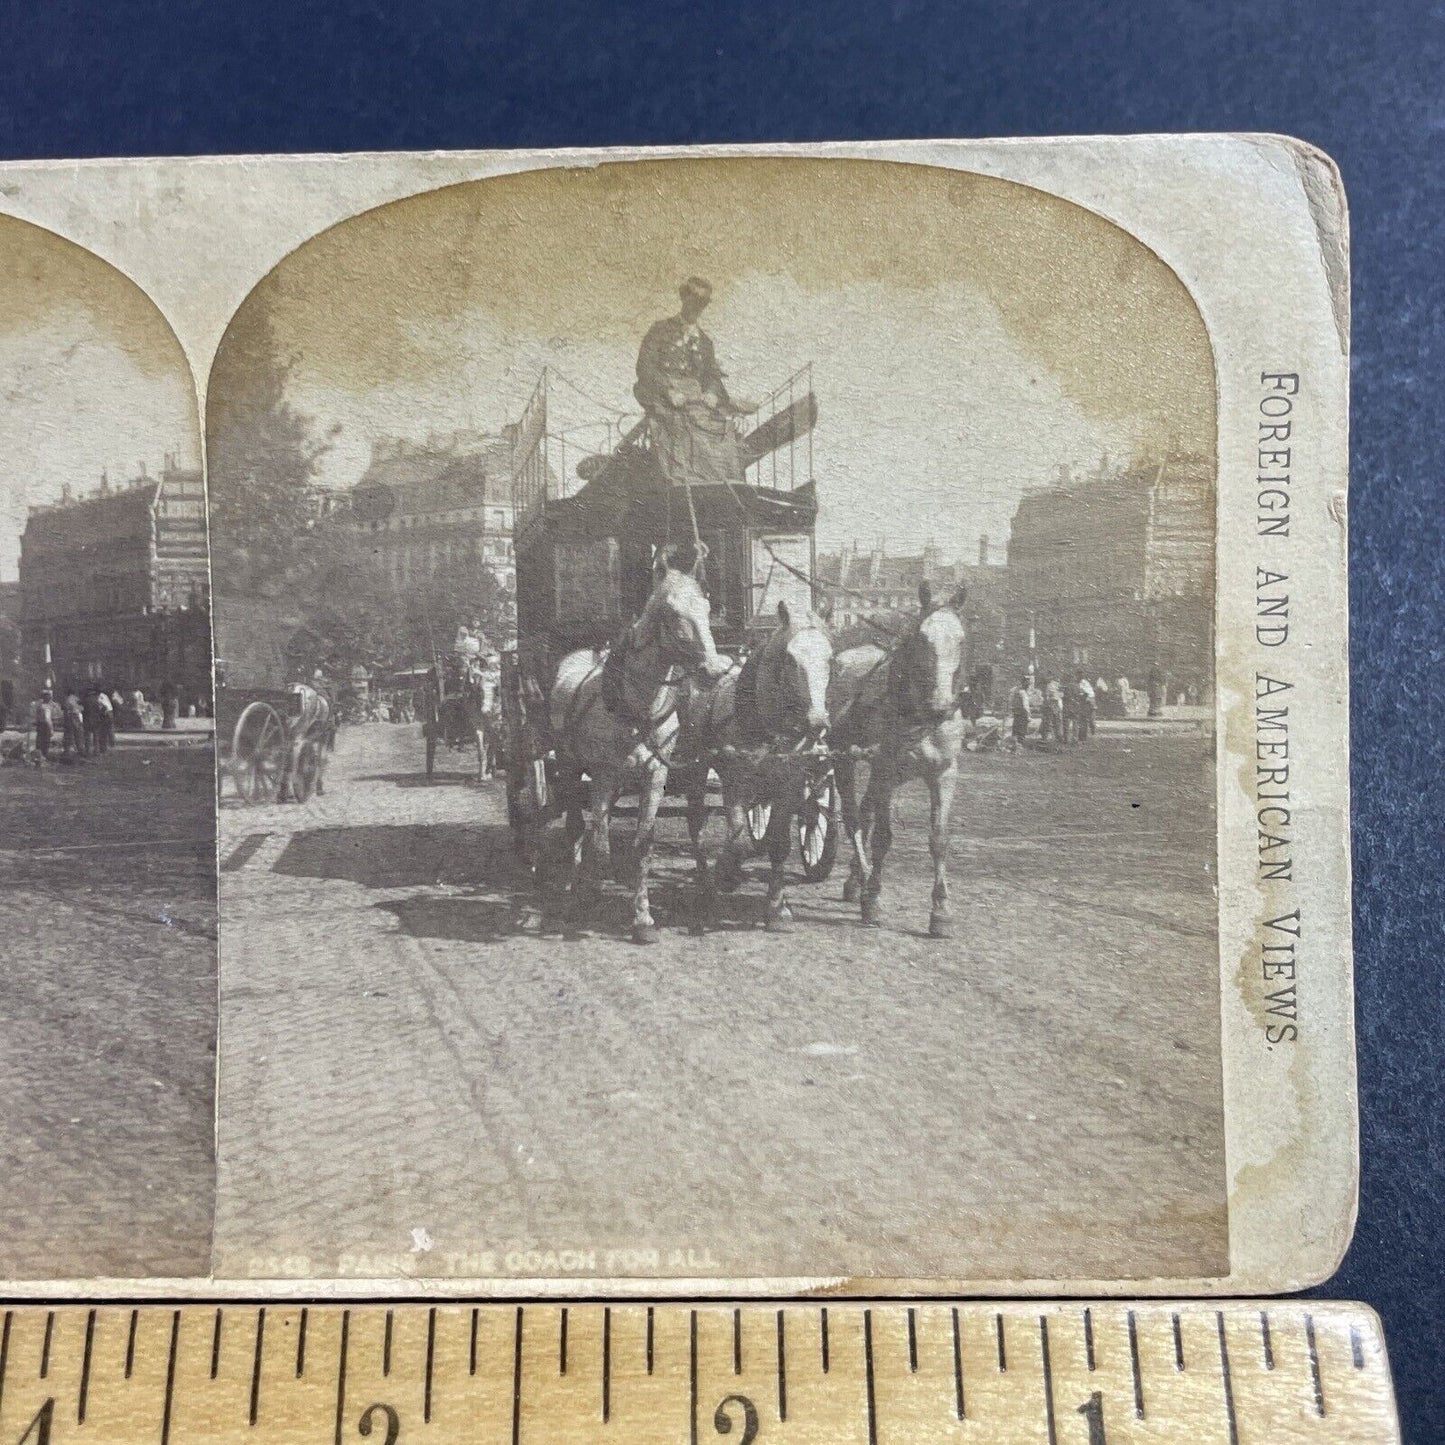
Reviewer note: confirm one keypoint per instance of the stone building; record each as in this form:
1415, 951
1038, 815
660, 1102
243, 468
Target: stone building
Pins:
425, 504
873, 584
1113, 574
115, 588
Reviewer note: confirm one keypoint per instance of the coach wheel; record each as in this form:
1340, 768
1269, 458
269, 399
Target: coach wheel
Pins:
818, 827
759, 816
258, 753
308, 771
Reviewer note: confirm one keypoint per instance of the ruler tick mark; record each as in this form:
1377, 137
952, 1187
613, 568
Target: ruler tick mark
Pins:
1268, 1343
1178, 1344
45, 1344
5, 1350
649, 1339
85, 1368
606, 1364
782, 1371
958, 1403
1089, 1337
868, 1376
692, 1375
1228, 1379
341, 1374
130, 1344
737, 1342
171, 1379
912, 1342
516, 1379
1134, 1366
216, 1346
301, 1346
256, 1363
1048, 1379
431, 1343
472, 1349
1002, 1353
386, 1346
824, 1338
1315, 1366
562, 1343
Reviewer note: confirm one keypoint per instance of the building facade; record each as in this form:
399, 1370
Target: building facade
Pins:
115, 588
867, 584
424, 505
1113, 575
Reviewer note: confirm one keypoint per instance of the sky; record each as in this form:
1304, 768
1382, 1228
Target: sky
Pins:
91, 378
968, 336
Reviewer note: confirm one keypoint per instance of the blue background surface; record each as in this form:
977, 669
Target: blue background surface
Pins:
1365, 82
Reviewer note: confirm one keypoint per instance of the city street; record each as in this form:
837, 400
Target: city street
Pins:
108, 1014
415, 1079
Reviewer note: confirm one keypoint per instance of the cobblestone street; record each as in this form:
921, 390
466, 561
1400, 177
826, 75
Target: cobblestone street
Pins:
416, 1080
108, 1015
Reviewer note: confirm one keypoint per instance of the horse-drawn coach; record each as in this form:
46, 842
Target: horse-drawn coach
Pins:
275, 720
668, 635
690, 565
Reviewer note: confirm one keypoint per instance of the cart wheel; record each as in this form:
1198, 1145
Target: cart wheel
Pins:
431, 752
258, 753
759, 816
308, 771
818, 827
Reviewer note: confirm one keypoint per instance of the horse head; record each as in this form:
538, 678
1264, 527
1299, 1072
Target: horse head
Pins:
678, 618
795, 670
927, 672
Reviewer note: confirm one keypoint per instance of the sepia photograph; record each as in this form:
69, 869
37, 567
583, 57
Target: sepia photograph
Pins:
661, 723
715, 702
107, 816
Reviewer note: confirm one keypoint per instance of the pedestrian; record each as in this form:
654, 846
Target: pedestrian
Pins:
1052, 726
170, 705
1156, 691
1069, 710
1021, 709
73, 727
1086, 708
90, 714
45, 720
105, 711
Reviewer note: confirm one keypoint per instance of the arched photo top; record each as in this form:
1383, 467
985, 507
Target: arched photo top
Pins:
969, 336
97, 386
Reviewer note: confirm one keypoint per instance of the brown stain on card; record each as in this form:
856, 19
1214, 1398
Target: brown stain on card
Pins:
589, 252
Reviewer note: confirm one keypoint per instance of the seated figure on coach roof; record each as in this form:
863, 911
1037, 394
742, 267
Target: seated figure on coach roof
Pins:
683, 393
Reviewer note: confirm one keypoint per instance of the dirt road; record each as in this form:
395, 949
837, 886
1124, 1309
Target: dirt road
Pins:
107, 1015
416, 1079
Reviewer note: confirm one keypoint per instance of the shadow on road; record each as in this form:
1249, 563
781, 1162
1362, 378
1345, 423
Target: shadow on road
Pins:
506, 900
420, 780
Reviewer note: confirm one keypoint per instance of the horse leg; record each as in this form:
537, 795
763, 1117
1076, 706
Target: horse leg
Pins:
846, 773
706, 907
779, 916
940, 799
729, 871
590, 854
879, 805
649, 800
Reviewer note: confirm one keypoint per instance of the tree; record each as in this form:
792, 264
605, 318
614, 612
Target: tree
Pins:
261, 457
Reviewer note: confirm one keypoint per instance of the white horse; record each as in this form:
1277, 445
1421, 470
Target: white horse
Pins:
753, 728
900, 709
614, 719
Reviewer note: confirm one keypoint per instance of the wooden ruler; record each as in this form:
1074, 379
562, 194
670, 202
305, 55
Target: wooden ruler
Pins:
880, 1374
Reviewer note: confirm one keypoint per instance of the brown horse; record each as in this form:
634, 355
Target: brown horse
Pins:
754, 728
614, 720
899, 708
